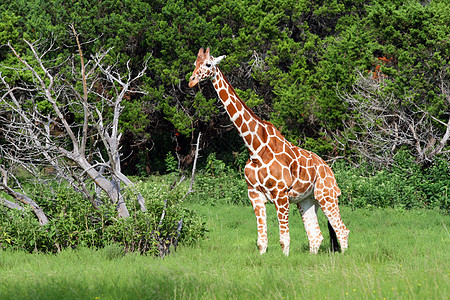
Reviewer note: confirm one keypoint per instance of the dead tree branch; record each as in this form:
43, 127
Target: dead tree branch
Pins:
49, 120
379, 123
20, 197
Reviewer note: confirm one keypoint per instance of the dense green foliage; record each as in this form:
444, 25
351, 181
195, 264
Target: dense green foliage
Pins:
393, 254
219, 184
407, 185
286, 58
75, 223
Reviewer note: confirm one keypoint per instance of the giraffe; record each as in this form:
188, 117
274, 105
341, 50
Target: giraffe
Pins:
277, 171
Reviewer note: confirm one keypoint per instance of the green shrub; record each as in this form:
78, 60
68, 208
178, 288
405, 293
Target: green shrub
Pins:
219, 183
74, 223
406, 185
226, 188
171, 163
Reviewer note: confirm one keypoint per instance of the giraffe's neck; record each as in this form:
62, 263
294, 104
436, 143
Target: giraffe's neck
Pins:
249, 126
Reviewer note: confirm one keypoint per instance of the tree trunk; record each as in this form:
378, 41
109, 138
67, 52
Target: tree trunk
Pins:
111, 189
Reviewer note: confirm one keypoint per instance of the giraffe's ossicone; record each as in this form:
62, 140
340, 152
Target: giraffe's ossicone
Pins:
277, 171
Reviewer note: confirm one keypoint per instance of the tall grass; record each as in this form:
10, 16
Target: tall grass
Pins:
393, 254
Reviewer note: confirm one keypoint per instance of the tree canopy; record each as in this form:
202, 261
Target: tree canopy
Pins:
289, 60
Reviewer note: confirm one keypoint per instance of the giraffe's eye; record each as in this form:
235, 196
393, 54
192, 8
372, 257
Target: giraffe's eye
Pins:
208, 65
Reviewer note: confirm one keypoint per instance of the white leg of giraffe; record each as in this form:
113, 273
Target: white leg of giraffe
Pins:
282, 206
259, 206
308, 210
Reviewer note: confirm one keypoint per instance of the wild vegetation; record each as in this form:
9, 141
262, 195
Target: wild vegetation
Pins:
94, 94
393, 254
291, 61
74, 222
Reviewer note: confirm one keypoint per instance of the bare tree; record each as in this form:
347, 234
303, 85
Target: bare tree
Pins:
65, 113
380, 123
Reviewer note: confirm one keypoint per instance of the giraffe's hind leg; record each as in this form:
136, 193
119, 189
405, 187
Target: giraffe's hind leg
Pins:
282, 207
328, 202
308, 210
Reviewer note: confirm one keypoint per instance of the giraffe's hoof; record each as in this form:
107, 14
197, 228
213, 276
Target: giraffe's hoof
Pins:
314, 250
285, 247
262, 248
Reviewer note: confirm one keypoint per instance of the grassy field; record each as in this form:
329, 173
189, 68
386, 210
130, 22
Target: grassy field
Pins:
393, 254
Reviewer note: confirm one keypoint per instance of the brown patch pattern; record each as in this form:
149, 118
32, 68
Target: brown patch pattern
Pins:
277, 170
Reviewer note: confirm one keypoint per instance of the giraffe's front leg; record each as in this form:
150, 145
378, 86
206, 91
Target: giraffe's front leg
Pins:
282, 206
259, 206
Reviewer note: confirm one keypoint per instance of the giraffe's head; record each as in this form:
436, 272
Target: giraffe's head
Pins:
205, 66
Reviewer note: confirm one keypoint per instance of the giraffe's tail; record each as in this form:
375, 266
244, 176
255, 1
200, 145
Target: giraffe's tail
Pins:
333, 239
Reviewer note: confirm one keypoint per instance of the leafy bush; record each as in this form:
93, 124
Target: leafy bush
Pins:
219, 183
406, 185
171, 163
285, 59
74, 223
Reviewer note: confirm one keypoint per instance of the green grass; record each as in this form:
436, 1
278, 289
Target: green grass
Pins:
393, 254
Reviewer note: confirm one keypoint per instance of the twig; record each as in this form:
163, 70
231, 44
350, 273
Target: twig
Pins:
197, 149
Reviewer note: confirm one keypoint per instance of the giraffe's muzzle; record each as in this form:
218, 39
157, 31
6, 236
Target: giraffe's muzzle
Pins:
193, 81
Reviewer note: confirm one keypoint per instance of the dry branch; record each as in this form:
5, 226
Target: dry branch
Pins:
39, 112
379, 123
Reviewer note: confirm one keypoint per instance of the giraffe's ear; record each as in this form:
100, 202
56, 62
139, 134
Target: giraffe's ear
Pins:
201, 52
218, 59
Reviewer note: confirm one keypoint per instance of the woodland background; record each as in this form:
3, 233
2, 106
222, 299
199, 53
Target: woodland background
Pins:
289, 60
364, 84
